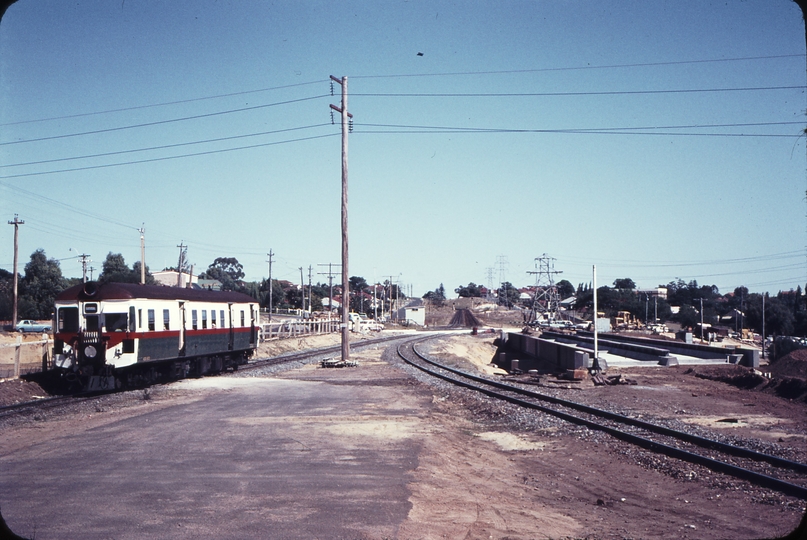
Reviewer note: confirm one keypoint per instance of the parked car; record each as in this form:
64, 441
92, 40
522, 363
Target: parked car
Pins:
26, 325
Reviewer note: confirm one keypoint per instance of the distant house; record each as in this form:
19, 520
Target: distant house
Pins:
168, 278
412, 314
660, 292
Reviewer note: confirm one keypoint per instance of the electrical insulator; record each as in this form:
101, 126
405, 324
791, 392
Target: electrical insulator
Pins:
331, 87
331, 117
350, 126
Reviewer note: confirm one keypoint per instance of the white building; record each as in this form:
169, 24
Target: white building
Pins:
169, 278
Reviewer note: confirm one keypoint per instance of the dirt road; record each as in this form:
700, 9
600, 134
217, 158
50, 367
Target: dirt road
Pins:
378, 452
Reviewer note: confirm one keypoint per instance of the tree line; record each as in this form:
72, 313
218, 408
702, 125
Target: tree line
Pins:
42, 281
785, 313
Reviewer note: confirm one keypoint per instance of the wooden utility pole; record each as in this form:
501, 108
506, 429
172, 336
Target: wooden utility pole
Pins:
302, 286
345, 282
142, 254
17, 222
181, 263
330, 275
84, 260
270, 254
310, 291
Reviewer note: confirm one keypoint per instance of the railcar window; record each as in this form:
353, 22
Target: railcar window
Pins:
132, 327
194, 318
242, 317
166, 319
212, 318
223, 322
140, 318
151, 320
90, 308
116, 322
68, 319
204, 319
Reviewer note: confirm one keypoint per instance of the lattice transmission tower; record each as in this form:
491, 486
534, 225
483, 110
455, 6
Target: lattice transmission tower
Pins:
546, 304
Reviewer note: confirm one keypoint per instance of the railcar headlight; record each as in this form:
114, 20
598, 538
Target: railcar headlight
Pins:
89, 351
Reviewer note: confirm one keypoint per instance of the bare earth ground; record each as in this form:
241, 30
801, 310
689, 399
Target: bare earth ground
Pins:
487, 470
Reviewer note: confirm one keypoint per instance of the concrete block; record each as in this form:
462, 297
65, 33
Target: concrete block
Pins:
669, 361
514, 365
750, 357
735, 358
581, 360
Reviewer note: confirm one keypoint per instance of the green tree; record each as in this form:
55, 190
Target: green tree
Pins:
624, 283
6, 294
278, 296
115, 270
565, 289
508, 294
471, 291
687, 316
228, 271
437, 296
39, 286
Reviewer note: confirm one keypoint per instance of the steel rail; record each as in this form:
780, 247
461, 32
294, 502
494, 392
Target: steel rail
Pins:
73, 398
737, 451
671, 451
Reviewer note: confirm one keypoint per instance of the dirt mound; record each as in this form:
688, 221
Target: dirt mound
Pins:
18, 390
783, 385
793, 364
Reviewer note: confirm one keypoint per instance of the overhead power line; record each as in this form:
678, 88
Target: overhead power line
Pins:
586, 67
646, 130
163, 147
164, 104
161, 122
166, 158
594, 93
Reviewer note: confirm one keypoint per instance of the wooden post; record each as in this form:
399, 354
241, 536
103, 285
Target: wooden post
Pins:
17, 351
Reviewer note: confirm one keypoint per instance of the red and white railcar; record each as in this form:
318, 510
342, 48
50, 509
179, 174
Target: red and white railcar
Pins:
115, 334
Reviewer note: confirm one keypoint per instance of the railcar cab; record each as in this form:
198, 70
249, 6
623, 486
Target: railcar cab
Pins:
104, 331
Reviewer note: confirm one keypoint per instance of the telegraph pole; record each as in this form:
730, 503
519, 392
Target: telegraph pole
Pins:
181, 264
270, 254
17, 222
302, 286
345, 282
310, 291
330, 275
142, 254
84, 260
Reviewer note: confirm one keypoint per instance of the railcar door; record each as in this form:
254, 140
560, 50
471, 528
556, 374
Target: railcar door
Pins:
252, 330
232, 330
182, 329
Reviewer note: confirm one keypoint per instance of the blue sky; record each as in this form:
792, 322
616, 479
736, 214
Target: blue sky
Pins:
657, 140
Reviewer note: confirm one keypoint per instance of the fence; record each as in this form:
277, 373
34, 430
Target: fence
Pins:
294, 328
24, 357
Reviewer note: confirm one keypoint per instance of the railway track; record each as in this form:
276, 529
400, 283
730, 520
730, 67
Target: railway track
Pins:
55, 401
791, 476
